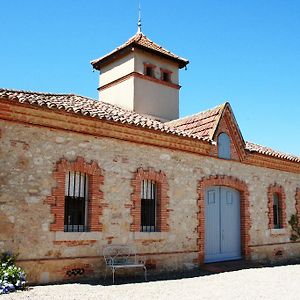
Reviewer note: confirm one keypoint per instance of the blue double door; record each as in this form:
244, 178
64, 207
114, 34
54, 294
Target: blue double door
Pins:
222, 224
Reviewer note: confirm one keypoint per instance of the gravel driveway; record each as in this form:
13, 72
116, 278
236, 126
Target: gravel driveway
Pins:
264, 283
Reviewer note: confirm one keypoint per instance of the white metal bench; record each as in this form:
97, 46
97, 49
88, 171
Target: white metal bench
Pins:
122, 256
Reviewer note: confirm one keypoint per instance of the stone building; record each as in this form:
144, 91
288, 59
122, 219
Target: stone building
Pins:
78, 174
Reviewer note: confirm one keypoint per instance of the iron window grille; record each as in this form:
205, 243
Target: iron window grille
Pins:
276, 212
76, 202
148, 206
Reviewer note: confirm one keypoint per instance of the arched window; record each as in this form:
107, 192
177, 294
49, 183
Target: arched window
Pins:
224, 146
277, 207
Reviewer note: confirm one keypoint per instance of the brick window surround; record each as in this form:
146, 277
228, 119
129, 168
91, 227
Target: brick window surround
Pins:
162, 199
234, 183
298, 204
95, 195
276, 189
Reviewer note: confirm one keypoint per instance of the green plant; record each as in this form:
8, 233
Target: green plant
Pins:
295, 228
11, 277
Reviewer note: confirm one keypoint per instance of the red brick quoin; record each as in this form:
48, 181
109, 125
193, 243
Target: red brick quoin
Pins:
276, 189
95, 195
234, 183
162, 199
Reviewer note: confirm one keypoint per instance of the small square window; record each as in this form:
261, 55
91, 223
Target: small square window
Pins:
166, 76
149, 70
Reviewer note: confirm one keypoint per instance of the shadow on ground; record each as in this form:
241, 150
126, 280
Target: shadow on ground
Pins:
204, 270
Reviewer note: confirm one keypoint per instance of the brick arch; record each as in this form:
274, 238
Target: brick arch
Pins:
276, 189
162, 195
234, 183
297, 197
95, 195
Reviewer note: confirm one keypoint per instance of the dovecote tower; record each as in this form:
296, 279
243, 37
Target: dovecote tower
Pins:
141, 76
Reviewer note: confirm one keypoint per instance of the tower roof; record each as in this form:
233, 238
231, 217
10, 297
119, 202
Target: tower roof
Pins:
139, 40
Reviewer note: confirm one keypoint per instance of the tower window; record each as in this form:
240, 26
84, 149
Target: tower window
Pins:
149, 70
165, 75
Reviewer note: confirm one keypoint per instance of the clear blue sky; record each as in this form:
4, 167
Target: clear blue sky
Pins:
241, 51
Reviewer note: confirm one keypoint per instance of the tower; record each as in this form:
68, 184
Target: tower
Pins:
141, 76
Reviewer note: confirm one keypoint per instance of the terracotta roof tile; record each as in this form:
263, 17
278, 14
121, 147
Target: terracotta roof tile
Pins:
141, 40
90, 107
202, 124
270, 152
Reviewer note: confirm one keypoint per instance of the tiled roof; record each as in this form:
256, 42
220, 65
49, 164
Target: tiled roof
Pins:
142, 41
90, 107
270, 152
202, 124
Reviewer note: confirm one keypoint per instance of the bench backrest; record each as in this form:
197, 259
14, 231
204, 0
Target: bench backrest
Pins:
119, 254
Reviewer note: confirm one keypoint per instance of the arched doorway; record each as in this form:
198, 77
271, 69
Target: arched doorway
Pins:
222, 224
241, 188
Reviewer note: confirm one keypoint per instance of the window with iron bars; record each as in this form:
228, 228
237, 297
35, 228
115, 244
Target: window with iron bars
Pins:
76, 202
276, 212
148, 206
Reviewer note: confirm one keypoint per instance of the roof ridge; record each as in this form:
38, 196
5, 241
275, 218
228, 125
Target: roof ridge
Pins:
220, 116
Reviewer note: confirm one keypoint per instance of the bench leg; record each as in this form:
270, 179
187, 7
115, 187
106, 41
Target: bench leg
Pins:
113, 275
145, 273
105, 273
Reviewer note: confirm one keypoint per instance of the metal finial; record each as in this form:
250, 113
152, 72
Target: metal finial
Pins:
139, 24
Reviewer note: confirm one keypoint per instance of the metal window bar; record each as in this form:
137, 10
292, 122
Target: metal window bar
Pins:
76, 202
276, 212
148, 206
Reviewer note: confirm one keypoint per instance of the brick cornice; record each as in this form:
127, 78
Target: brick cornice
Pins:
162, 199
234, 183
95, 195
276, 189
56, 119
138, 75
42, 117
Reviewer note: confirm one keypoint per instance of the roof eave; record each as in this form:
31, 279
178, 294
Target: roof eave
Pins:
99, 63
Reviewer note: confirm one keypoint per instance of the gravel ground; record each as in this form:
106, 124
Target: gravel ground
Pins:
263, 283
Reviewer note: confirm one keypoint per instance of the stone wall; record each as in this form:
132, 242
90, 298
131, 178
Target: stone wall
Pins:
29, 156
